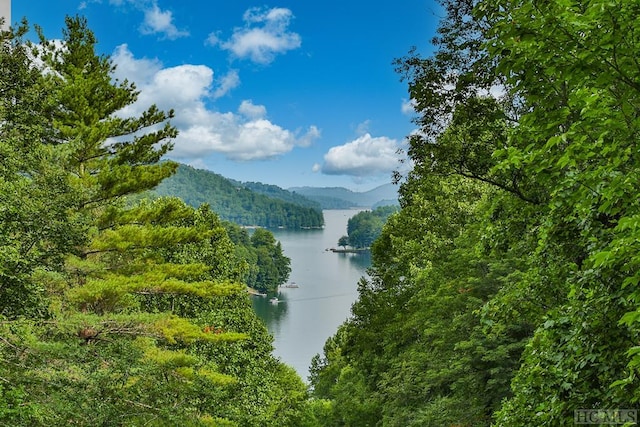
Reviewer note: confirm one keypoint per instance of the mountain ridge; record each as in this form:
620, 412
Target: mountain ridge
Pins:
266, 205
343, 198
236, 202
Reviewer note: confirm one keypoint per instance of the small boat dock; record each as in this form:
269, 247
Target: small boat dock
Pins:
290, 285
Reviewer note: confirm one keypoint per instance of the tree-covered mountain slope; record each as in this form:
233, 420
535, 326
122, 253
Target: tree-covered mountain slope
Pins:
342, 198
276, 192
243, 204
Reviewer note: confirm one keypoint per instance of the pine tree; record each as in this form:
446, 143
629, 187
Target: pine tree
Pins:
146, 321
35, 230
111, 156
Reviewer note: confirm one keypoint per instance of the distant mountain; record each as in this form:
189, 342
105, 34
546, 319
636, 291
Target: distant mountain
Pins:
386, 202
342, 198
236, 202
279, 193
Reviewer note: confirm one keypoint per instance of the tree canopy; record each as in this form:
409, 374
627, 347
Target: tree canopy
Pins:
505, 290
250, 204
267, 266
116, 310
364, 227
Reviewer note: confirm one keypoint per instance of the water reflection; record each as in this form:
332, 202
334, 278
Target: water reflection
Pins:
306, 316
265, 309
360, 261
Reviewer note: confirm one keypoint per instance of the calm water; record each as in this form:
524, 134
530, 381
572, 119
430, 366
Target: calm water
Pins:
306, 316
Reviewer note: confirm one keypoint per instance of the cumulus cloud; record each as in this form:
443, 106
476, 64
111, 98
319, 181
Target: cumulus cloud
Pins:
248, 109
364, 156
264, 35
157, 21
136, 70
228, 82
244, 135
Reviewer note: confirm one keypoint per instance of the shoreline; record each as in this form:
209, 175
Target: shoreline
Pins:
348, 251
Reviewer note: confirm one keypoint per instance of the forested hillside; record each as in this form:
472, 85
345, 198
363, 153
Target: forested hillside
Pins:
266, 266
365, 227
505, 291
342, 198
276, 192
241, 203
112, 312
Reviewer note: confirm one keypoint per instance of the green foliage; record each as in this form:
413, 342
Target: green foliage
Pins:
115, 311
245, 204
273, 266
268, 267
577, 136
505, 289
342, 198
35, 196
415, 351
276, 192
364, 227
84, 98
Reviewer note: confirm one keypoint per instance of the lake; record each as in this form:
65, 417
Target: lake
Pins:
306, 316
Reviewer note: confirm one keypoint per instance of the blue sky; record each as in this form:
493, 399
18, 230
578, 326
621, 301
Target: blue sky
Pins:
288, 93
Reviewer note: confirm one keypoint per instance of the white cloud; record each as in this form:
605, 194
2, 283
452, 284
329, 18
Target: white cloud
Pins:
408, 107
311, 135
248, 109
264, 35
212, 40
247, 135
135, 70
363, 127
157, 21
228, 82
364, 156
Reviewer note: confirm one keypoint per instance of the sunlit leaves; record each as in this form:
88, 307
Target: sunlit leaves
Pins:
556, 245
115, 310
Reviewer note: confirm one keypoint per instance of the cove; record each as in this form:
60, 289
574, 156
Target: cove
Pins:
306, 316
